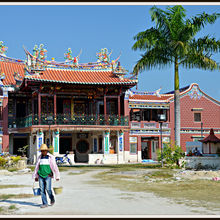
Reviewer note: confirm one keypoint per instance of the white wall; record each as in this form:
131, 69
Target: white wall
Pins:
193, 162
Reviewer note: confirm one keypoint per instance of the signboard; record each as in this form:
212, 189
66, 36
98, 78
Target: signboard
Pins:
82, 135
20, 135
65, 134
106, 143
55, 144
39, 142
133, 139
121, 143
166, 139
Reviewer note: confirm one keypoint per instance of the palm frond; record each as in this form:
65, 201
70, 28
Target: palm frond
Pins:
146, 39
151, 59
200, 21
206, 44
159, 16
201, 61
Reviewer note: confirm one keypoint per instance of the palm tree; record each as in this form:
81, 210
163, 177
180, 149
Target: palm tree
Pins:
172, 41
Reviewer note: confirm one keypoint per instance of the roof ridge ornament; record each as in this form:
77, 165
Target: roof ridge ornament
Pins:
37, 62
156, 93
3, 48
194, 92
2, 75
120, 71
18, 79
69, 58
103, 55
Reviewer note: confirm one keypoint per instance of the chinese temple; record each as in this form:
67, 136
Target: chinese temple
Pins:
75, 107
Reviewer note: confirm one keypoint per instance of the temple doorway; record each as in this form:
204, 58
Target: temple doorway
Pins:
82, 148
65, 144
145, 148
19, 143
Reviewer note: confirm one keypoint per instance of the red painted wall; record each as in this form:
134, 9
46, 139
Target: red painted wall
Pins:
210, 116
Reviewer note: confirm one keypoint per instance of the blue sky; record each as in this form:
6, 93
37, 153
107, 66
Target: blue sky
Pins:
92, 27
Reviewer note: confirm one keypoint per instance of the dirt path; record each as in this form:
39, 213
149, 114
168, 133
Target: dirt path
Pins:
81, 198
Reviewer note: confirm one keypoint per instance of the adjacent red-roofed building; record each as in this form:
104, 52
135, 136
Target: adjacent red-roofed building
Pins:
199, 113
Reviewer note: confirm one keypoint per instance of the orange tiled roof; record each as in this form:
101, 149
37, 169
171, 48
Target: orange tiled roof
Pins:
62, 75
8, 68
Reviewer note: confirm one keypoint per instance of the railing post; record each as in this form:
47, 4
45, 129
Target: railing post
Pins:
119, 109
32, 106
105, 109
39, 108
55, 107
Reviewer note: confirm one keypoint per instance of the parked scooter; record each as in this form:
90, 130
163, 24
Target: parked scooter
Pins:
63, 160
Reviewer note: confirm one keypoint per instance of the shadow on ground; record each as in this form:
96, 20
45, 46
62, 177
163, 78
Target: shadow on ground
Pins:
21, 202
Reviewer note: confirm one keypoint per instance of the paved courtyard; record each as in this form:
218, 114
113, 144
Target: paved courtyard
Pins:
80, 198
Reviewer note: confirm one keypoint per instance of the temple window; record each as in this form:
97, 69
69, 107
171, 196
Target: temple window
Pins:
133, 145
197, 117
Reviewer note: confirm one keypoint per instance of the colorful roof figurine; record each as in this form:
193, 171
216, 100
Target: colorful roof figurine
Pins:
211, 138
37, 68
103, 55
120, 71
70, 59
3, 48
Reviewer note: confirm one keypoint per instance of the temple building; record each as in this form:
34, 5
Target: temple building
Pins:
73, 107
199, 113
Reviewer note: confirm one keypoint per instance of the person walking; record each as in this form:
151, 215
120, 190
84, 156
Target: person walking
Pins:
46, 169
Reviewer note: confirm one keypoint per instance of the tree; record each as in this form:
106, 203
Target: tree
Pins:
171, 155
172, 42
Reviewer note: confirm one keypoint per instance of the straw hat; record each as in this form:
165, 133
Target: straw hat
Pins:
44, 147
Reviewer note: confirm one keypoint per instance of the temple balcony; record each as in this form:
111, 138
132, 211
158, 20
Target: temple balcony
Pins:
68, 119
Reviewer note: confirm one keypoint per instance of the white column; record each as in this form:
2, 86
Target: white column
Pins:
120, 146
106, 135
56, 142
40, 140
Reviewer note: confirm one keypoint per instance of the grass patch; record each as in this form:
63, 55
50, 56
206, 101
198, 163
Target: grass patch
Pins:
15, 196
12, 186
196, 193
12, 169
8, 210
31, 167
78, 172
161, 174
114, 166
12, 207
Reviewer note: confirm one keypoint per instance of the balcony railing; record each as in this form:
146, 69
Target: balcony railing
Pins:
67, 119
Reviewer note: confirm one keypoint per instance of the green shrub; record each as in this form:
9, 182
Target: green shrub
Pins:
15, 159
171, 155
3, 161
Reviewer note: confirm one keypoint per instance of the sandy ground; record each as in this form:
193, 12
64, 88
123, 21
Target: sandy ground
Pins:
80, 198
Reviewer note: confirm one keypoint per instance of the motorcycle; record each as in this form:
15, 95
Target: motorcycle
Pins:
63, 160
